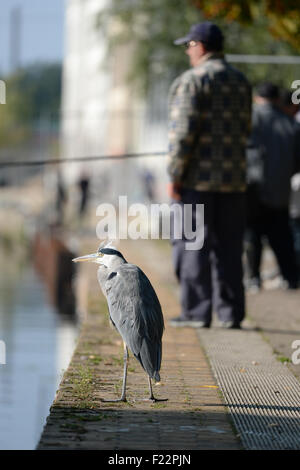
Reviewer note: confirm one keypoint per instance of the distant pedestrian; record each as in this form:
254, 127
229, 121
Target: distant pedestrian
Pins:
291, 109
149, 185
83, 184
61, 199
287, 105
272, 162
209, 122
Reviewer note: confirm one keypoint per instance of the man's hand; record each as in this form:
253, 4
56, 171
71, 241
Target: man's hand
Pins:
174, 191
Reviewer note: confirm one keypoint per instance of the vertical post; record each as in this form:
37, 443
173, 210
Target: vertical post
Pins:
15, 38
2, 352
2, 92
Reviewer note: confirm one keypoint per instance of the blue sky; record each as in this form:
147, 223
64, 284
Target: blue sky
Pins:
42, 35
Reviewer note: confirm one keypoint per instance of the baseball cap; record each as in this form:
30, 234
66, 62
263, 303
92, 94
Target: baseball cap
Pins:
206, 32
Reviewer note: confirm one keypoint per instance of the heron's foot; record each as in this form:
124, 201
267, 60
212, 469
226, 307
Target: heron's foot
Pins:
155, 400
116, 400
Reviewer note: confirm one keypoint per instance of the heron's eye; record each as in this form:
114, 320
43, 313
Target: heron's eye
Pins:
100, 254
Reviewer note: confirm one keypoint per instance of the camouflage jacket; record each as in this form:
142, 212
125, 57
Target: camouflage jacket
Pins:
209, 123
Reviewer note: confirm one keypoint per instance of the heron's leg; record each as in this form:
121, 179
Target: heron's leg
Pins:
123, 395
152, 397
125, 358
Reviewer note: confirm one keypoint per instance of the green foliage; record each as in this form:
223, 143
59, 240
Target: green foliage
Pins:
282, 16
152, 26
32, 93
254, 38
257, 27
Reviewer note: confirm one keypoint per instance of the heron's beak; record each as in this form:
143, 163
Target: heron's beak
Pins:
93, 257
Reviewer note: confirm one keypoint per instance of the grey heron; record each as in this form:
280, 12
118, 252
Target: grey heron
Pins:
134, 310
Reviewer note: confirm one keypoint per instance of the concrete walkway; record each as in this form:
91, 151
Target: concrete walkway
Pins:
215, 380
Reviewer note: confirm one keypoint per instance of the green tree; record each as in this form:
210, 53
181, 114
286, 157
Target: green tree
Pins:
282, 16
153, 26
32, 93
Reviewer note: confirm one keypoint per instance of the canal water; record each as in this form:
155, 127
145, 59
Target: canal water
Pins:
39, 343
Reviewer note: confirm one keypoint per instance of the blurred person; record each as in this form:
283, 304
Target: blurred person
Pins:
209, 122
61, 198
291, 109
149, 184
295, 216
287, 105
272, 160
83, 185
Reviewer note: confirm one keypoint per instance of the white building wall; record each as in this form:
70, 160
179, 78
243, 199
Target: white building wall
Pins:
101, 112
86, 85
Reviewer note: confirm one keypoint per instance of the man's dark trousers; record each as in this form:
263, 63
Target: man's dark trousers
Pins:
211, 278
274, 223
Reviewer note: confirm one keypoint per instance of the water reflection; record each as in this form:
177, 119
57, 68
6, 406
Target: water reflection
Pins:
39, 344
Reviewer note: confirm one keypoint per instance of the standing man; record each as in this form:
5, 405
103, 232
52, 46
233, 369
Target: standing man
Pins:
209, 122
274, 136
292, 109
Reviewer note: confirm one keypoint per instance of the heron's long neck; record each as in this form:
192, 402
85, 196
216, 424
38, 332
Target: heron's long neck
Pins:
104, 271
116, 263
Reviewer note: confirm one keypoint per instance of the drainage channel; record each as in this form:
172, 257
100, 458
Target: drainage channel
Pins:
261, 393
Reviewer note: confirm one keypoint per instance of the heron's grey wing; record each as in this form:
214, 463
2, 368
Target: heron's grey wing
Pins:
136, 312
